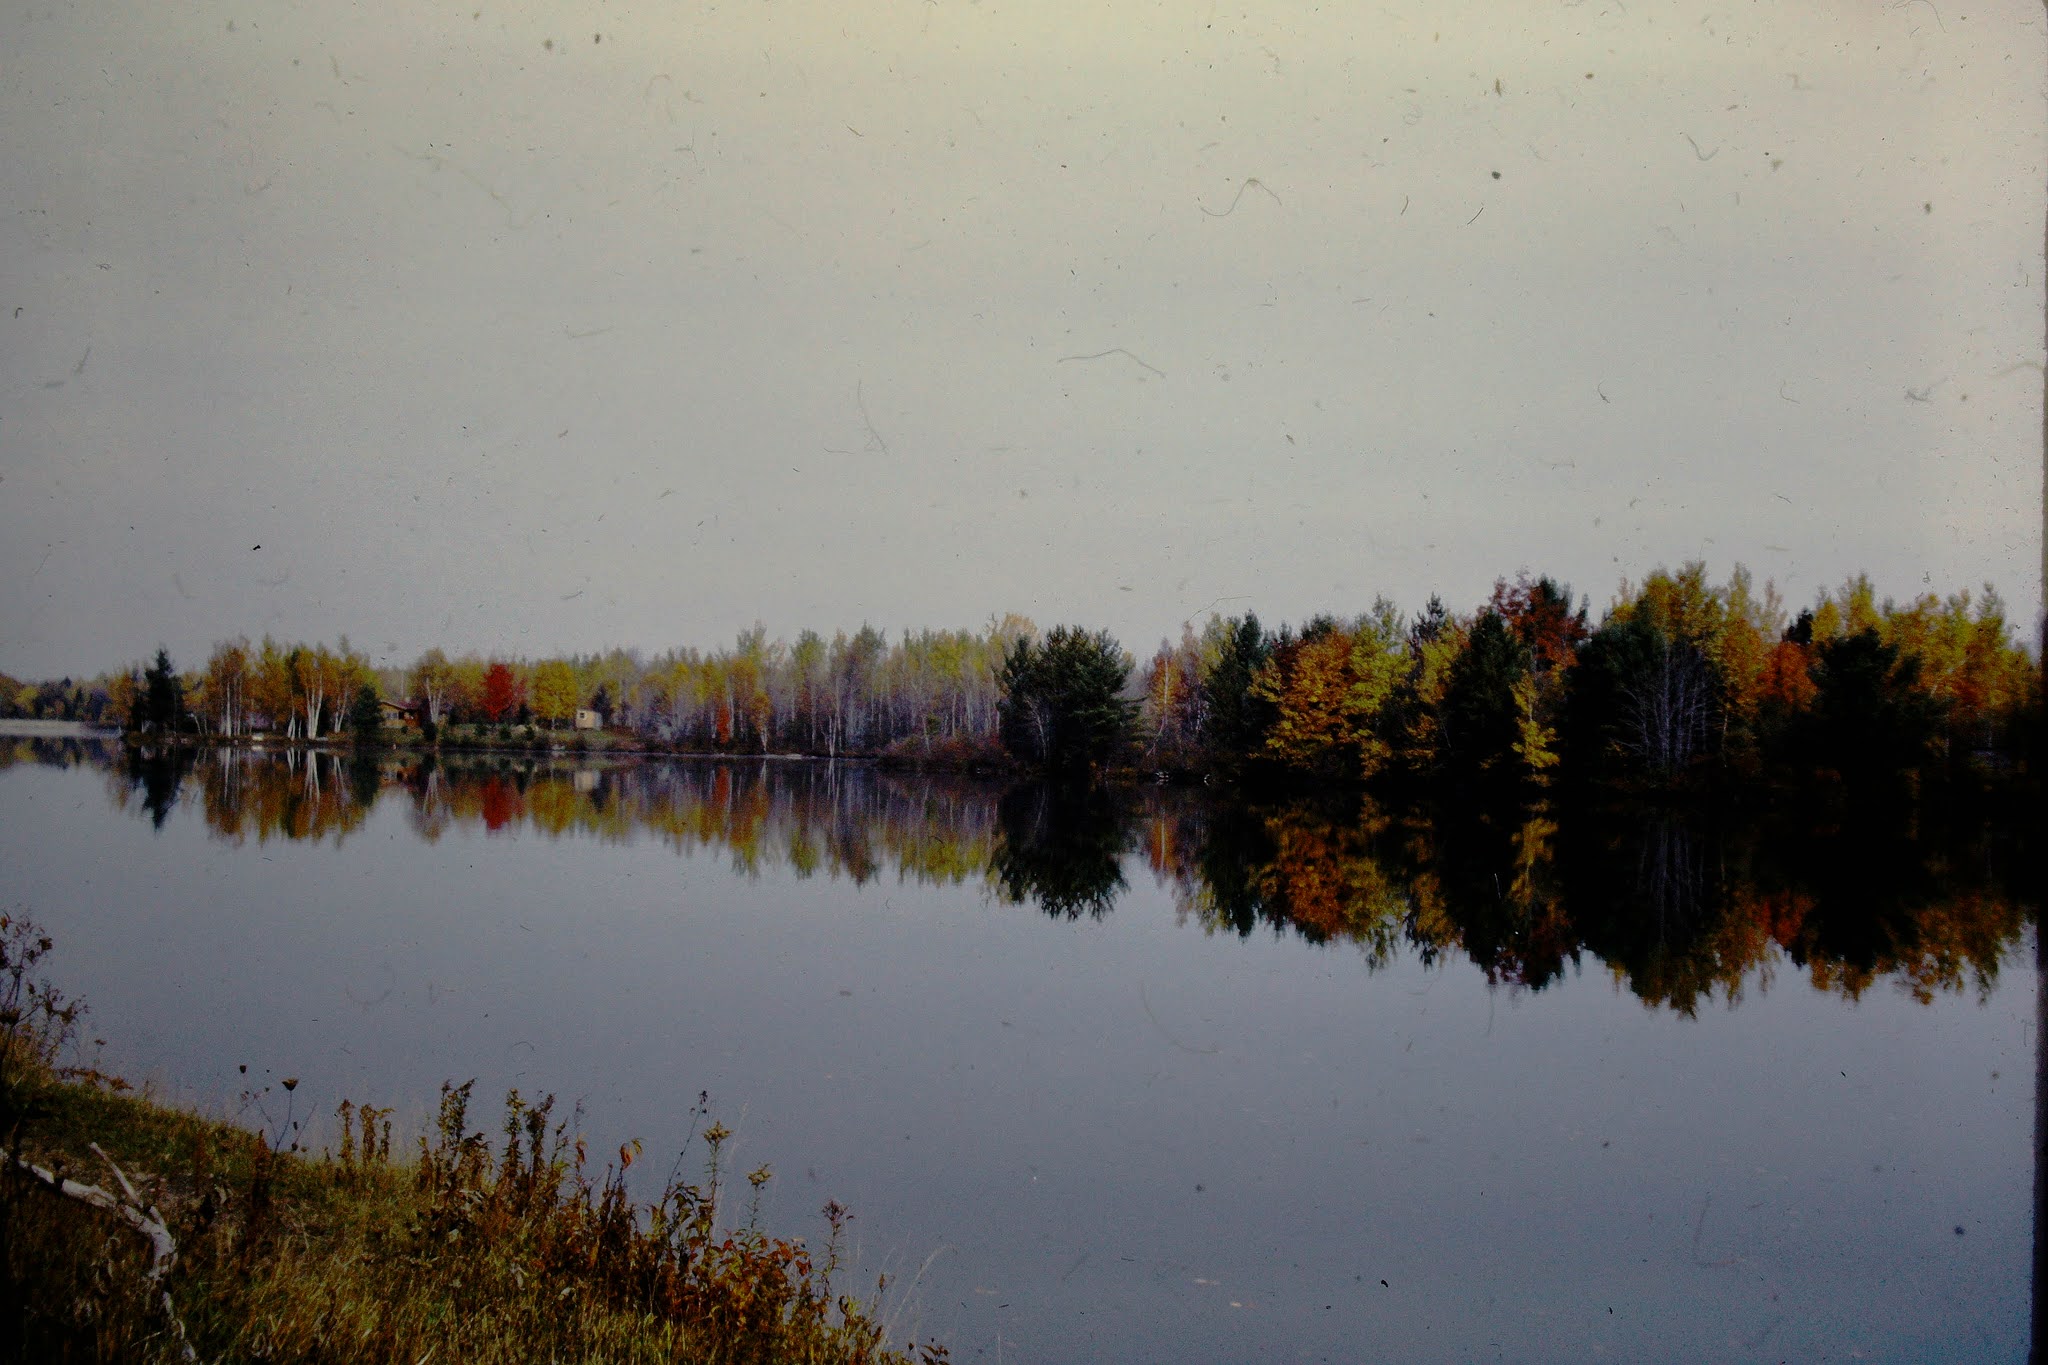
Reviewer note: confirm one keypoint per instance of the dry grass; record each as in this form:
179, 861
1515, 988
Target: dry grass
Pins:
472, 1250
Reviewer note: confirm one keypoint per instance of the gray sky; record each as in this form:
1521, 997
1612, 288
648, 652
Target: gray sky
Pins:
547, 327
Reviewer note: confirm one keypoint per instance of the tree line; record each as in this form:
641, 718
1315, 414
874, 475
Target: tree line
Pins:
1682, 678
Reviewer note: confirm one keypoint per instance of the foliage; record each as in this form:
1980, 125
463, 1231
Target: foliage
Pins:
475, 1251
1684, 682
1177, 699
36, 1023
432, 680
502, 692
1327, 692
554, 692
1062, 699
1641, 703
1413, 717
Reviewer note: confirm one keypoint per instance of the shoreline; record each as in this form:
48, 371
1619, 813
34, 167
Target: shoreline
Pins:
1972, 785
541, 746
23, 728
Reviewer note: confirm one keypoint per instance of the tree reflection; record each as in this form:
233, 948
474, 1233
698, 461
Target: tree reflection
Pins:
1683, 908
155, 775
810, 819
1652, 903
1501, 898
65, 751
1061, 847
1888, 900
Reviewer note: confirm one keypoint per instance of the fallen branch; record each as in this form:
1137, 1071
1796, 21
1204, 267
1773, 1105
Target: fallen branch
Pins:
150, 1224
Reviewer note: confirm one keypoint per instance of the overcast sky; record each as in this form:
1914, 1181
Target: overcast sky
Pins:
548, 327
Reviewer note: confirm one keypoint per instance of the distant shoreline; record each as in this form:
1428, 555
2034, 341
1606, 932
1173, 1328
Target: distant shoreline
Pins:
542, 748
22, 728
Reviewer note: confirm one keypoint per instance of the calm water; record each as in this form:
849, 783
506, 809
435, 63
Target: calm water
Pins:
1148, 1079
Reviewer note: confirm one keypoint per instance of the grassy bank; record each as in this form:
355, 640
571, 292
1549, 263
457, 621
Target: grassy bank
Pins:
513, 1247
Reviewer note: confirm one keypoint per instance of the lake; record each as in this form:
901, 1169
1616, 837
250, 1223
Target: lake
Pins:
1142, 1076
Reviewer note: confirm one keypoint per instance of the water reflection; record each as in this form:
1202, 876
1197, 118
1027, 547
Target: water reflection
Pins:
1061, 848
1681, 911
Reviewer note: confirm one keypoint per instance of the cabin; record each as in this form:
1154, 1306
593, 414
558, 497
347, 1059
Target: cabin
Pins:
587, 719
406, 713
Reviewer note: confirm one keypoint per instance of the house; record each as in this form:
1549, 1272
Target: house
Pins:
587, 719
406, 713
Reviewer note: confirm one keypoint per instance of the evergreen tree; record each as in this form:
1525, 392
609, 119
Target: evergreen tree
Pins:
1063, 704
1871, 718
365, 715
160, 702
1236, 722
1480, 718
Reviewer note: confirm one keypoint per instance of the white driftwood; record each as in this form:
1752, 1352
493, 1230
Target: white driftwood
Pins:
150, 1224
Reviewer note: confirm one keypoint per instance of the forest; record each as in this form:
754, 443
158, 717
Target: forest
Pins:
1682, 681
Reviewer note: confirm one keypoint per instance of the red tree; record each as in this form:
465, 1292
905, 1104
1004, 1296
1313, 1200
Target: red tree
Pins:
1540, 615
501, 693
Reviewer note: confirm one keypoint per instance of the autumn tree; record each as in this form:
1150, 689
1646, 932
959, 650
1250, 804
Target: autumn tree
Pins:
810, 665
1176, 699
1538, 612
1969, 666
225, 686
1750, 631
1539, 615
432, 682
270, 690
554, 691
502, 693
1327, 692
1413, 717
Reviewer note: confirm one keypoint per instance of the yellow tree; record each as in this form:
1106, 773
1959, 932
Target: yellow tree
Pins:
1535, 737
226, 685
1852, 609
433, 680
466, 688
1307, 682
1328, 690
1750, 631
554, 691
272, 687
